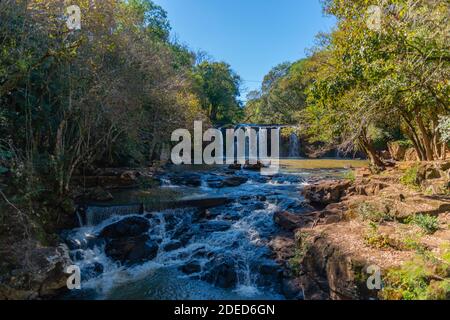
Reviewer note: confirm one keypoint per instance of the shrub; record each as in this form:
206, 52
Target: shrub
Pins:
376, 240
369, 213
419, 279
410, 177
429, 224
350, 175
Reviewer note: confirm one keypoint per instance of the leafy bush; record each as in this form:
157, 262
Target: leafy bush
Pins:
444, 128
376, 240
429, 224
369, 213
410, 177
350, 175
419, 279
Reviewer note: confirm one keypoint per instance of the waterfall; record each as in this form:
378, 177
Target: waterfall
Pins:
96, 215
294, 146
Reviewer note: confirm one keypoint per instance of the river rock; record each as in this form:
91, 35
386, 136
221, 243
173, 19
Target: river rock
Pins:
187, 179
215, 226
128, 227
191, 267
173, 245
228, 182
221, 272
254, 167
91, 271
327, 192
289, 221
131, 251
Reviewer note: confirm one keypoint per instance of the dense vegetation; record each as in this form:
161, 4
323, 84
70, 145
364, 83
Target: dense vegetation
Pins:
110, 93
369, 81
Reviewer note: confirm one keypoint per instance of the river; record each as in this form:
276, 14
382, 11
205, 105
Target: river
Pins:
202, 254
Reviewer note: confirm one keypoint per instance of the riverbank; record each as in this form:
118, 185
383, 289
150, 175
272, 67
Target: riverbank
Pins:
396, 222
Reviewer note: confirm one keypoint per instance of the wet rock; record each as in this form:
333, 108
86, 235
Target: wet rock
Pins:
215, 226
131, 251
221, 272
128, 227
99, 194
254, 167
270, 273
283, 247
192, 267
92, 271
228, 182
235, 166
173, 245
128, 178
289, 221
187, 179
292, 289
326, 192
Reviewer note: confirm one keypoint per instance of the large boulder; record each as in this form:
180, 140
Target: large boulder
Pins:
327, 192
130, 251
191, 267
128, 227
221, 272
289, 221
411, 155
32, 271
397, 150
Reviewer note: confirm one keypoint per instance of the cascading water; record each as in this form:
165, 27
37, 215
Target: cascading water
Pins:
294, 146
219, 253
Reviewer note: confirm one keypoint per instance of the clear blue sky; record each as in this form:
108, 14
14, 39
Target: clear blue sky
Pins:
251, 35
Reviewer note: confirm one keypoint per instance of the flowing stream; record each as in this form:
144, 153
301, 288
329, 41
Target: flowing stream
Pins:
216, 253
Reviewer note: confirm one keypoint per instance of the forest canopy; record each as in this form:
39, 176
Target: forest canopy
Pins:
381, 75
110, 93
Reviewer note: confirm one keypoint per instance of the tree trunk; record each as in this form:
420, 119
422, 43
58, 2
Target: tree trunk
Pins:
426, 139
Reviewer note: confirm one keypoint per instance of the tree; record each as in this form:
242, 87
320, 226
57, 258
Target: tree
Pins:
397, 71
218, 88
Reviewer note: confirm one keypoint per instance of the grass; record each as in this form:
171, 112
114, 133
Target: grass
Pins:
301, 249
420, 279
308, 164
410, 178
350, 175
376, 240
429, 224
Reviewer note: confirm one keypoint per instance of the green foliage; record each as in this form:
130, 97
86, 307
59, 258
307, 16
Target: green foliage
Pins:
444, 128
419, 279
369, 213
350, 175
376, 240
218, 88
281, 97
428, 223
372, 84
410, 177
303, 245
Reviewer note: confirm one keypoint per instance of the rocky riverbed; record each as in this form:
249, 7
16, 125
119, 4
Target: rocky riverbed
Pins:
216, 240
